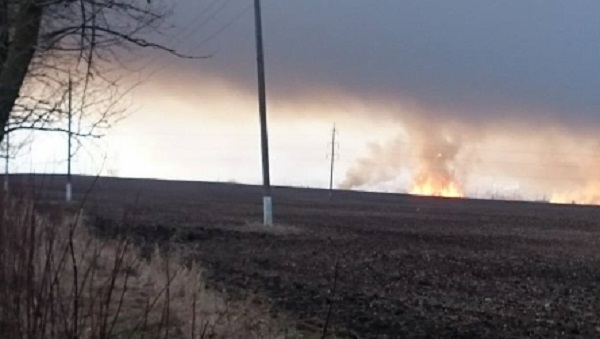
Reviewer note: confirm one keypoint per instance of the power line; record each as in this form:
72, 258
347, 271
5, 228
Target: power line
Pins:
410, 145
220, 30
195, 20
202, 24
209, 19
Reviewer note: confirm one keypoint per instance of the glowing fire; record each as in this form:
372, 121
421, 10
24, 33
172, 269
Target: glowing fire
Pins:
587, 196
436, 186
559, 199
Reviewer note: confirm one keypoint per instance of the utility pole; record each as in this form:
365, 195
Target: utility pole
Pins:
333, 145
262, 106
70, 112
6, 162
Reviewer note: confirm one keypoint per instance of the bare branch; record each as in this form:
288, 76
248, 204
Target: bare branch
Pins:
46, 42
112, 37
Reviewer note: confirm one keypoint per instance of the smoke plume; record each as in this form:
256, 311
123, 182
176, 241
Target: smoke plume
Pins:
373, 169
435, 163
428, 153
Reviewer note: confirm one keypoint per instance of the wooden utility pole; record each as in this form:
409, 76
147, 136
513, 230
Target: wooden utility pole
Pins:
332, 163
69, 187
262, 106
7, 160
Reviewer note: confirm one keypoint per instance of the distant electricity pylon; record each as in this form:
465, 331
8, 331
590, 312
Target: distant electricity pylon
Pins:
69, 187
262, 105
334, 145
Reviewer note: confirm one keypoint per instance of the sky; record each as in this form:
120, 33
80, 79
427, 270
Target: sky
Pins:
497, 96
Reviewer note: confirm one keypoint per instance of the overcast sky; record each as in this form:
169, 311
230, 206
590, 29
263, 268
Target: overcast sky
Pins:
536, 60
494, 78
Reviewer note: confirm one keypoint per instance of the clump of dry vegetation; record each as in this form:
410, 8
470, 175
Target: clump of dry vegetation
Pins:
257, 227
57, 280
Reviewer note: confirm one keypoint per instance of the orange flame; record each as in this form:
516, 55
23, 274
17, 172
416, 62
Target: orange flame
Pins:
588, 196
559, 199
437, 186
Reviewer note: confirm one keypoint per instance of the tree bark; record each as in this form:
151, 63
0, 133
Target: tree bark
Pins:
18, 57
4, 29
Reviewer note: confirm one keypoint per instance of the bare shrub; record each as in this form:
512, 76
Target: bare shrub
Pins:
257, 227
59, 281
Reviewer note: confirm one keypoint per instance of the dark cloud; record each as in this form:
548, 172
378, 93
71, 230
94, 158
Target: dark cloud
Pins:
471, 61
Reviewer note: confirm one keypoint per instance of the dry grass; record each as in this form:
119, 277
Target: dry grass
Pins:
257, 227
59, 281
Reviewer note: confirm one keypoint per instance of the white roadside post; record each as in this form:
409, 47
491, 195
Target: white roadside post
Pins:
268, 211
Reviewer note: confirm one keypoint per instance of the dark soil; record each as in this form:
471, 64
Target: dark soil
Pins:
408, 267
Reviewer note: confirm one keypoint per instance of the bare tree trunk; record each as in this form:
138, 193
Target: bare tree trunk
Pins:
42, 41
4, 24
19, 56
